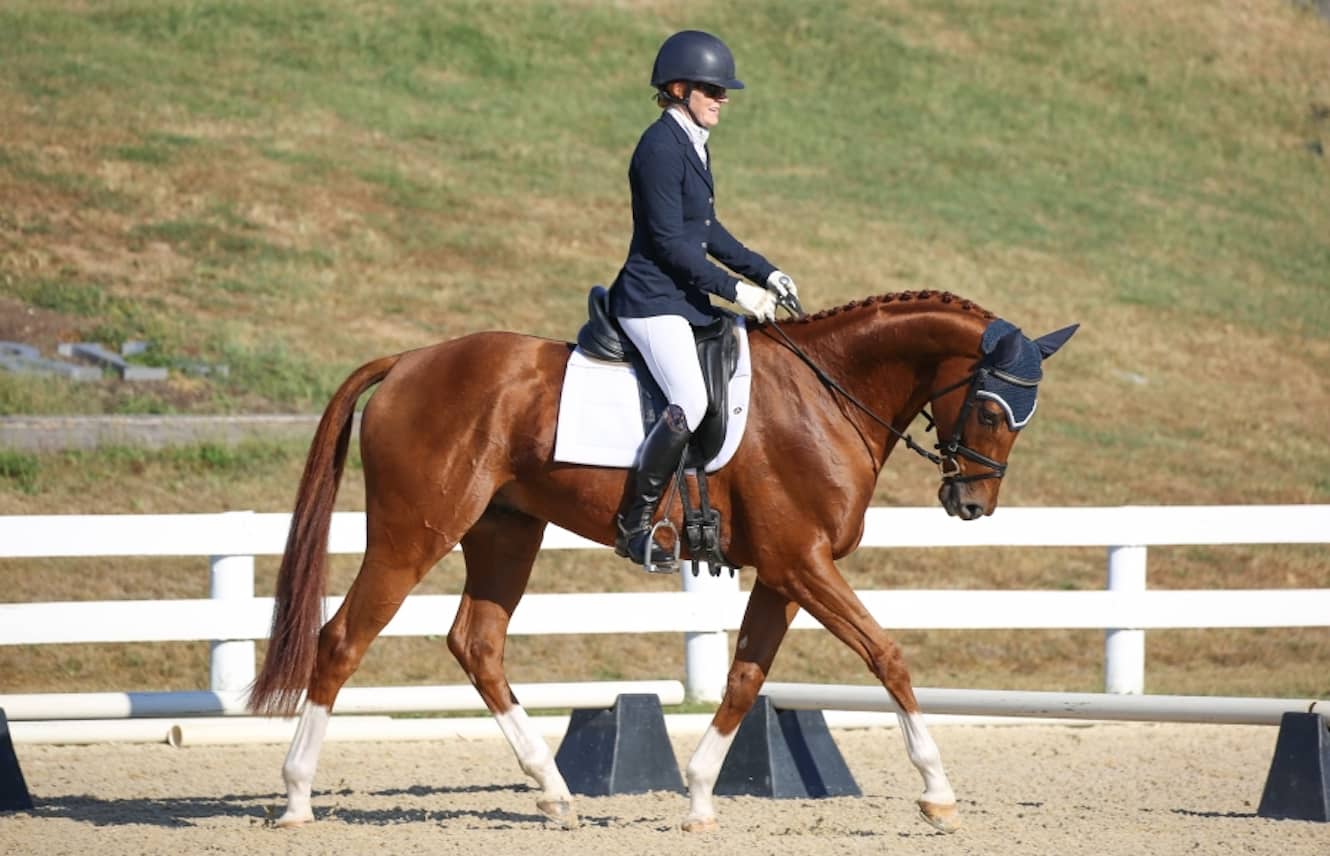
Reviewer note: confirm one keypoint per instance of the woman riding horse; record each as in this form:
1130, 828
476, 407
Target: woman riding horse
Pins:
662, 291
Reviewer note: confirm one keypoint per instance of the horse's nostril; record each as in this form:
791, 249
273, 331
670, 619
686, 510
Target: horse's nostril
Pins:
973, 511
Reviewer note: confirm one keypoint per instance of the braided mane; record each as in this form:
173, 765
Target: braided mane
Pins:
898, 297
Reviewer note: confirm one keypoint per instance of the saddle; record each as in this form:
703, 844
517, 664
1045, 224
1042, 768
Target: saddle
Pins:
717, 351
718, 354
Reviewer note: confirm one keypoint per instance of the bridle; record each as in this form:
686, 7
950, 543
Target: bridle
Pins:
955, 447
947, 456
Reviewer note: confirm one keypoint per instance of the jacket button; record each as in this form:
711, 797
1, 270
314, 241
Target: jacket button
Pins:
706, 222
704, 245
711, 200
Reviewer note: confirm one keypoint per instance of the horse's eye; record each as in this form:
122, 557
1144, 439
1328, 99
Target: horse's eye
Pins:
988, 418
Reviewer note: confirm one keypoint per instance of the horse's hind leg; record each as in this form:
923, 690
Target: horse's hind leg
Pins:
500, 550
390, 569
765, 621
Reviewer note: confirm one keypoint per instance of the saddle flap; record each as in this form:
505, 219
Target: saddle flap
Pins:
718, 352
600, 422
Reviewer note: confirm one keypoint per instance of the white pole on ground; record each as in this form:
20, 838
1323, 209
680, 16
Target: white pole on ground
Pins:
1218, 710
1124, 648
706, 655
351, 700
232, 578
534, 696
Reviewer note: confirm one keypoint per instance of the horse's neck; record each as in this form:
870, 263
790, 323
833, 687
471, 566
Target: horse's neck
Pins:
887, 355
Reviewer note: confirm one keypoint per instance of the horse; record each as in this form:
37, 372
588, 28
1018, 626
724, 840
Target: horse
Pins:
456, 444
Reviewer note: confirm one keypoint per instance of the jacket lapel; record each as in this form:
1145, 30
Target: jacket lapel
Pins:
689, 152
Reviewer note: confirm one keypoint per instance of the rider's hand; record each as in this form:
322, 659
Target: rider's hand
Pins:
782, 283
755, 299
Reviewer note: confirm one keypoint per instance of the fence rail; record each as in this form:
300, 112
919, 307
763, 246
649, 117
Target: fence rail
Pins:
708, 608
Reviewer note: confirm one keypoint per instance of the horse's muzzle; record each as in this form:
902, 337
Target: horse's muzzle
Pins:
959, 500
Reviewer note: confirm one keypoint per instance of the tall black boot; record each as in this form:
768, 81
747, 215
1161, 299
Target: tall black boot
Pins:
656, 464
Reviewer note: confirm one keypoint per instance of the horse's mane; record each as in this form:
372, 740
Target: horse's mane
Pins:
944, 297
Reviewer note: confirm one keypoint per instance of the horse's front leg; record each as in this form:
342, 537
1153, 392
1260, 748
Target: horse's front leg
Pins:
766, 619
820, 589
499, 553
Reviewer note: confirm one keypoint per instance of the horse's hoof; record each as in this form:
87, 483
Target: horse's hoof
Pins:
944, 818
559, 811
291, 820
700, 824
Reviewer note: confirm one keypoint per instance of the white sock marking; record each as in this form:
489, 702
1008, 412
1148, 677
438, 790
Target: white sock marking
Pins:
301, 762
703, 770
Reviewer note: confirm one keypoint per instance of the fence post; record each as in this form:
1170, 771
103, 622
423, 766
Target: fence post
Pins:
706, 656
1124, 648
232, 661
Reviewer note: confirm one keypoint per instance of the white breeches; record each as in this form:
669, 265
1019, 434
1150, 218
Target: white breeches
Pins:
667, 346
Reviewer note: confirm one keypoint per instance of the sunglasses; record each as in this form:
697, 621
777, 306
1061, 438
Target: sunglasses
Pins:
710, 90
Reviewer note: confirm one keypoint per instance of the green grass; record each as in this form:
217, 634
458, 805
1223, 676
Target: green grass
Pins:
19, 471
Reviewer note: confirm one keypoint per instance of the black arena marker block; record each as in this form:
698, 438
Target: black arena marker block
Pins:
622, 749
14, 794
1298, 787
786, 754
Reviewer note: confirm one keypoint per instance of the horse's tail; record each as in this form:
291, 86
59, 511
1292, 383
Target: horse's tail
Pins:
298, 610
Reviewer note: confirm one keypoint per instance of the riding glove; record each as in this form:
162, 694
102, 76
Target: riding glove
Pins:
760, 302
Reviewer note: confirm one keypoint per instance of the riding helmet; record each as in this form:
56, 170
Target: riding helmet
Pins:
694, 56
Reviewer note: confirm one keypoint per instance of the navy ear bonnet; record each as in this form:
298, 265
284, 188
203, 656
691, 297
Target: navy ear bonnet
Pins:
1014, 367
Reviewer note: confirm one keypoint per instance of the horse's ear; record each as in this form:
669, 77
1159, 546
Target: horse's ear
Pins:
1050, 342
1008, 349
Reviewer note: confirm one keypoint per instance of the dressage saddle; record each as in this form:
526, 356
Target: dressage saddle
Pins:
717, 351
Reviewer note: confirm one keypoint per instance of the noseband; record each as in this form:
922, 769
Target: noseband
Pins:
947, 456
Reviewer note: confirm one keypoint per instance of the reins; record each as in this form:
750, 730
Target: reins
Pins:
954, 447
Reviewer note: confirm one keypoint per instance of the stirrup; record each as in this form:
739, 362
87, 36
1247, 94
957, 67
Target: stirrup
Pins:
670, 567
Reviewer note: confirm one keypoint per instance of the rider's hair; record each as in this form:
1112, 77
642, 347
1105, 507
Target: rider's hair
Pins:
664, 99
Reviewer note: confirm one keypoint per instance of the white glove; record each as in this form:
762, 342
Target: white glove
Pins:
782, 284
760, 302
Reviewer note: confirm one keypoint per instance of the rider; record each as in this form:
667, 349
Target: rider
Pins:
661, 292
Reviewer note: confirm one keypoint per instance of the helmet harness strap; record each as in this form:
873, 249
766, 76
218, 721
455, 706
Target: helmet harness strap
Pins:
685, 102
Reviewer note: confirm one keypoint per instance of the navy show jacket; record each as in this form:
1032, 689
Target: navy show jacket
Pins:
674, 229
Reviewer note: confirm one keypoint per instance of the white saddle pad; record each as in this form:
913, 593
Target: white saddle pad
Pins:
600, 414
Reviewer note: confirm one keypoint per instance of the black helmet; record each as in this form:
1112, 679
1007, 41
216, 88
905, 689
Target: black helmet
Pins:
694, 56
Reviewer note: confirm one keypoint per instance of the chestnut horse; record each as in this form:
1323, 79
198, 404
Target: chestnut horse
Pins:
457, 448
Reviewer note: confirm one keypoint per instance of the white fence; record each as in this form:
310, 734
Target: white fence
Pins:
707, 609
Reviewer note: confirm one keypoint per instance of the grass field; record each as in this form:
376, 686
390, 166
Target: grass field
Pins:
293, 188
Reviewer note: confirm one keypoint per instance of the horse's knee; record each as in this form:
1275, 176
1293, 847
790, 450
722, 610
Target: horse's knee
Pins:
887, 663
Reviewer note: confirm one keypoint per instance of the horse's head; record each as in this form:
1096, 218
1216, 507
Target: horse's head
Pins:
979, 410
